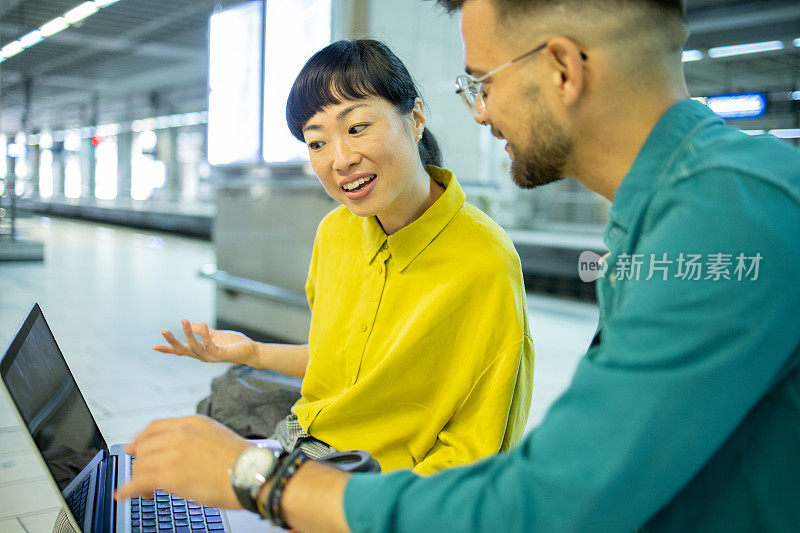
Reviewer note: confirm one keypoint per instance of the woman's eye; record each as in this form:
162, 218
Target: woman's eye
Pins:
358, 128
315, 145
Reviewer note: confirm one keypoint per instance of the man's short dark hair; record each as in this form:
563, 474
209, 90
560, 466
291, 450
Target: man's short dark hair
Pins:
512, 7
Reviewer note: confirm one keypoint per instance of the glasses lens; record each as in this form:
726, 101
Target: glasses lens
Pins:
479, 106
466, 88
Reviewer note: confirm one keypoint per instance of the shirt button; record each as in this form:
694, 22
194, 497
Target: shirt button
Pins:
305, 416
363, 327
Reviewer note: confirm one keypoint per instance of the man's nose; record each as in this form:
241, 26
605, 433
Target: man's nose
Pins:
482, 118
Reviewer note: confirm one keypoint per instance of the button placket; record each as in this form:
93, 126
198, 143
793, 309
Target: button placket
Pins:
371, 305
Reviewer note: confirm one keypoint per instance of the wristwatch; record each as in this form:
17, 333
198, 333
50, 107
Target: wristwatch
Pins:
250, 471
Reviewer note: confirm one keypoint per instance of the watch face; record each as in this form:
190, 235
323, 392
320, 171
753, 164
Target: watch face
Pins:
252, 465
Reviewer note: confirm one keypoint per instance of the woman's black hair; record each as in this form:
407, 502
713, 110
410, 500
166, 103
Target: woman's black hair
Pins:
351, 70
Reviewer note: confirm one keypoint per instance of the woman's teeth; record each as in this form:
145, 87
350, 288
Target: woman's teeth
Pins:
358, 184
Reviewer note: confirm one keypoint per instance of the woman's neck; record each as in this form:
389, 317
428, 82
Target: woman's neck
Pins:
424, 194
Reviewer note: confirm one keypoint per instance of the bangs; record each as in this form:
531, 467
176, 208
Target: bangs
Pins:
348, 70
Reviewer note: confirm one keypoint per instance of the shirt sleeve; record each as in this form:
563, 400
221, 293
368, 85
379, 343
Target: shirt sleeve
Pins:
474, 431
311, 280
679, 365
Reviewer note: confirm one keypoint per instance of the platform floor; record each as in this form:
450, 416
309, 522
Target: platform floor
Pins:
108, 291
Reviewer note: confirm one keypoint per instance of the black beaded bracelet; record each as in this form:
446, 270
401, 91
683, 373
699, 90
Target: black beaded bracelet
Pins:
282, 476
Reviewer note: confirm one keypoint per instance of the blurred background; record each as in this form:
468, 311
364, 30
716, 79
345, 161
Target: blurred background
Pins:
147, 174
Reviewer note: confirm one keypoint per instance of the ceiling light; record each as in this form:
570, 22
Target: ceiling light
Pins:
794, 95
81, 12
29, 39
738, 106
754, 132
54, 26
796, 42
11, 49
790, 133
749, 48
104, 3
691, 55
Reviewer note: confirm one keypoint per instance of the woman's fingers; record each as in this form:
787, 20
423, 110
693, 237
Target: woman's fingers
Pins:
206, 334
194, 346
178, 346
205, 350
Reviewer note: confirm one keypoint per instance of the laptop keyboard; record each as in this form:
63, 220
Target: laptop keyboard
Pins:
169, 513
77, 500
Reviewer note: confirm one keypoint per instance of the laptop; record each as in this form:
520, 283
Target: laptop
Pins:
83, 468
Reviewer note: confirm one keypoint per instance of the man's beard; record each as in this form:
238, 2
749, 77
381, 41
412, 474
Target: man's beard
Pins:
543, 161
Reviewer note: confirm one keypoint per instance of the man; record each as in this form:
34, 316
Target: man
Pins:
685, 412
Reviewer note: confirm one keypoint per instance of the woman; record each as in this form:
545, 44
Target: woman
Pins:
419, 350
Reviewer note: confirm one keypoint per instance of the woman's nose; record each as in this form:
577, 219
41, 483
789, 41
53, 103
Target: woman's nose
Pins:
346, 157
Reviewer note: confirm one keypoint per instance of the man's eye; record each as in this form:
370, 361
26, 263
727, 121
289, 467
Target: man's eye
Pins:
315, 145
358, 128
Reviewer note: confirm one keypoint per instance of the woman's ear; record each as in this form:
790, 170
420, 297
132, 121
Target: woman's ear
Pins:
418, 116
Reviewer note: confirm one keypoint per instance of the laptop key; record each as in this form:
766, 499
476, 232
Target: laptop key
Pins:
213, 519
182, 529
216, 527
212, 512
198, 525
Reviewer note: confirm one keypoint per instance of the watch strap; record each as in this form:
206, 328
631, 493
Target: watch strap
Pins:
284, 473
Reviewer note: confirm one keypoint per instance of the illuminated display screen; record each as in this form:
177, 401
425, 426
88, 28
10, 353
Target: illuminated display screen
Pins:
256, 52
738, 106
234, 79
295, 30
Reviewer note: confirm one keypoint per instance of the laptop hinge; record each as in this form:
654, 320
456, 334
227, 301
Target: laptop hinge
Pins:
102, 520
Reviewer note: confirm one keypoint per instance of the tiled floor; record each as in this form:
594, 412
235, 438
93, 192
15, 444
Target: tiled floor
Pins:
107, 292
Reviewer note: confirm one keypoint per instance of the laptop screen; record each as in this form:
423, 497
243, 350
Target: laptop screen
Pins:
47, 397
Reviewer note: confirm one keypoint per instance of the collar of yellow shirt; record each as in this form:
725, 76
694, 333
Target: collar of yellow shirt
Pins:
408, 242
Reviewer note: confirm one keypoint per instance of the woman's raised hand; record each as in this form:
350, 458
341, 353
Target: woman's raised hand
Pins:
215, 346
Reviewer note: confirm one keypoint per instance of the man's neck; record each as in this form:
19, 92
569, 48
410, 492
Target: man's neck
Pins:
609, 145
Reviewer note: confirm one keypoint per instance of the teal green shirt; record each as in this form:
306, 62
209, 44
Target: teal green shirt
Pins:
684, 414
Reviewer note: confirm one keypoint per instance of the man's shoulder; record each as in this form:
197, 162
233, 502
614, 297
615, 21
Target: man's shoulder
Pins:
725, 151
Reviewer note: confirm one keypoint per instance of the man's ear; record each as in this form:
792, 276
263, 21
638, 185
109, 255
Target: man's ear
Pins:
566, 60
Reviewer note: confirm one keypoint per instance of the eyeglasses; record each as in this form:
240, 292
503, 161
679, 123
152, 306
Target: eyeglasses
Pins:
471, 89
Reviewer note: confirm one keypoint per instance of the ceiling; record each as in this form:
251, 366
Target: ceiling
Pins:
132, 57
140, 58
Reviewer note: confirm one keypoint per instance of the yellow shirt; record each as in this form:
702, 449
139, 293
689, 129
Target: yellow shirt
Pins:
419, 348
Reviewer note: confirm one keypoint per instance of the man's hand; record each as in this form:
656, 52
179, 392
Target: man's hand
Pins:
217, 346
188, 456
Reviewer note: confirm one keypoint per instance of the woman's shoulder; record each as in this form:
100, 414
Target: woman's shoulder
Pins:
338, 220
487, 242
479, 227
